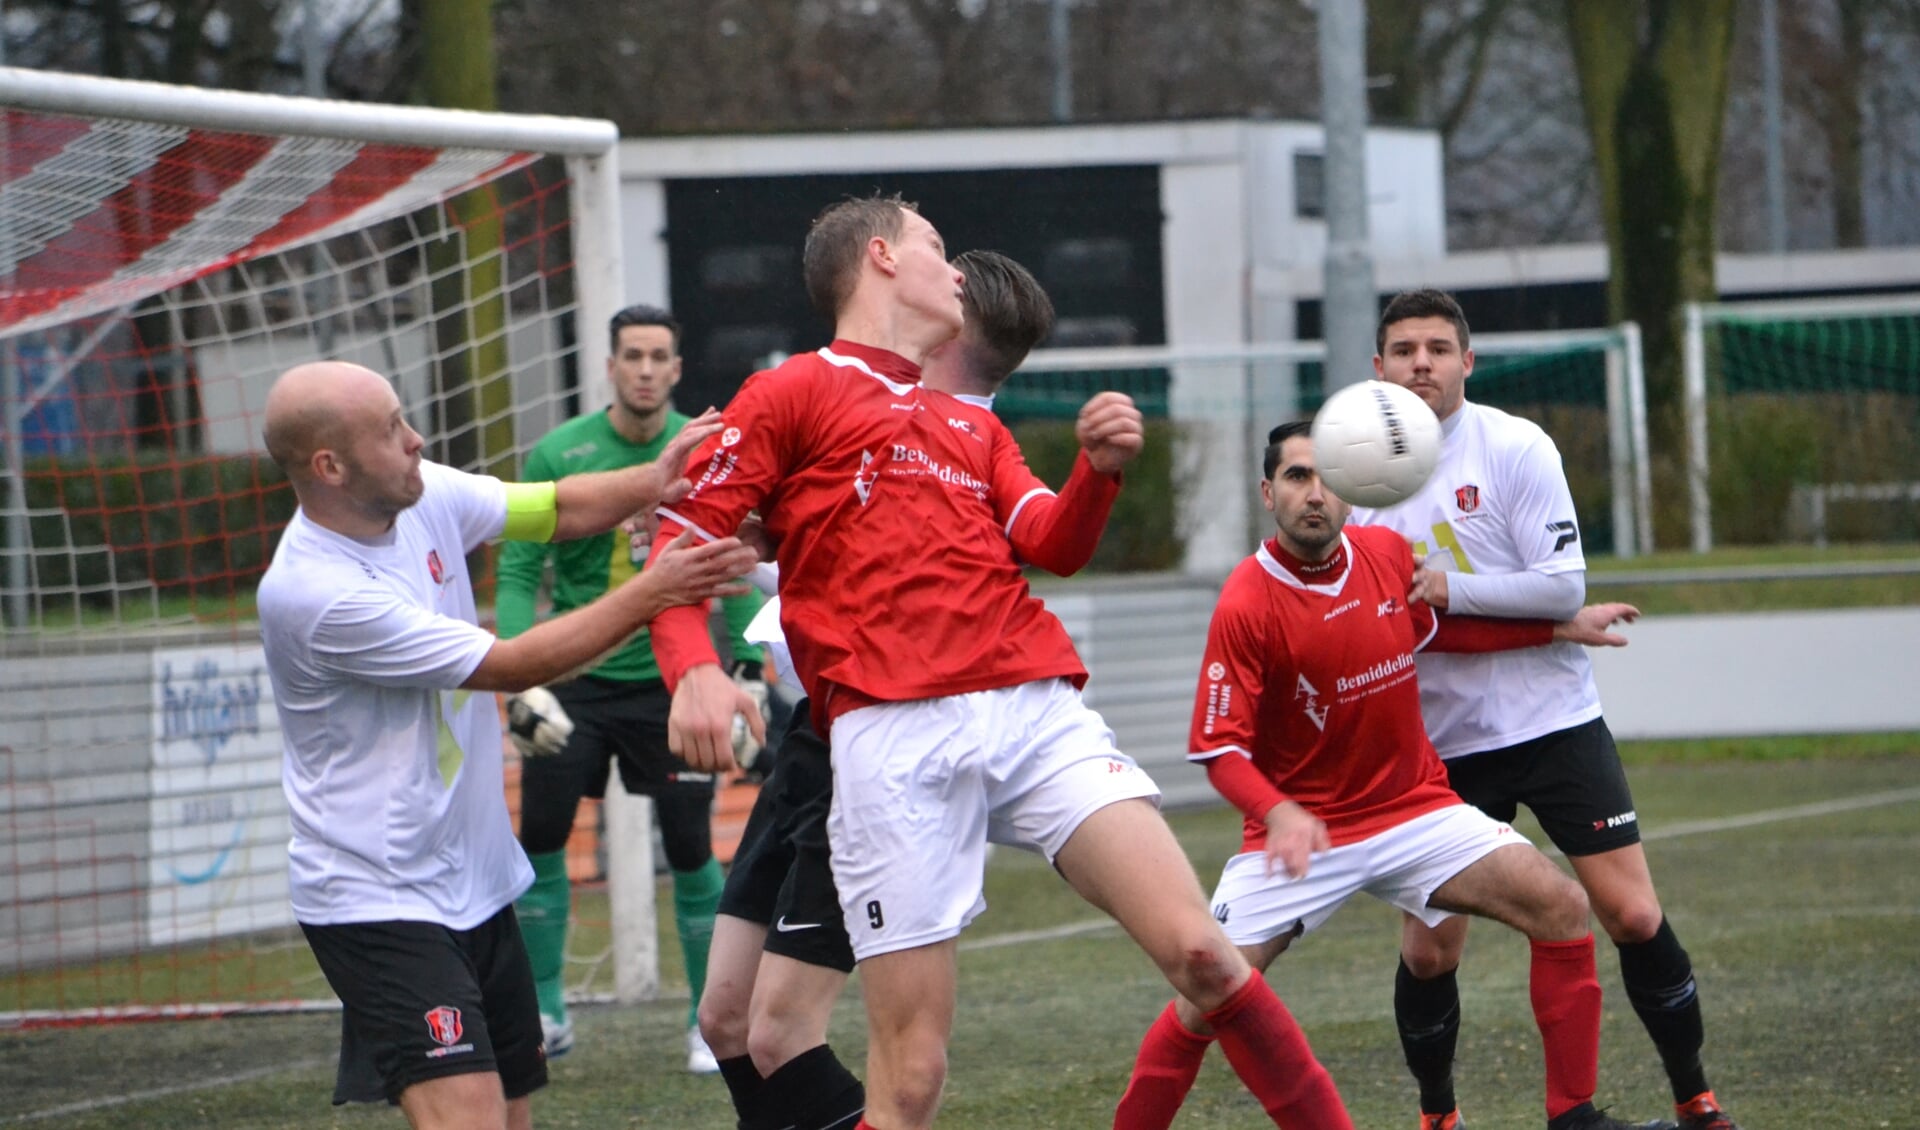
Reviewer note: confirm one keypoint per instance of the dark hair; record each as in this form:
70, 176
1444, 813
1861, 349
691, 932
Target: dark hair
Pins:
1427, 303
1277, 438
1008, 312
642, 315
837, 241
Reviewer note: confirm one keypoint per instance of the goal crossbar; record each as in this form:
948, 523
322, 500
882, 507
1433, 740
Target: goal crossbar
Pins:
198, 108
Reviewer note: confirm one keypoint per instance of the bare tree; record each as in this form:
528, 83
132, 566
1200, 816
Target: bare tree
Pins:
1653, 78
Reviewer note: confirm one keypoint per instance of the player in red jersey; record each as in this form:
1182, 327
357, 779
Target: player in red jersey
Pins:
948, 692
780, 950
1308, 719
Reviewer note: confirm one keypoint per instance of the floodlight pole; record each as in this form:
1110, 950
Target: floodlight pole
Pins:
1060, 39
1348, 306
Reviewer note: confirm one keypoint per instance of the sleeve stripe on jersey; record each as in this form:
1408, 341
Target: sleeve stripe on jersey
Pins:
1022, 505
1433, 629
1210, 754
674, 516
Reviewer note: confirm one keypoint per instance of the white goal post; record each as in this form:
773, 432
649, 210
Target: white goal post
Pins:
1835, 345
259, 231
1224, 399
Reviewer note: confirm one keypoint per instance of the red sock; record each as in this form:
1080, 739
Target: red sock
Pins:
1270, 1054
1170, 1058
1566, 1006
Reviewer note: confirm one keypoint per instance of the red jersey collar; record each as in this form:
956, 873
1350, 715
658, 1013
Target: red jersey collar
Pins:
1311, 573
880, 362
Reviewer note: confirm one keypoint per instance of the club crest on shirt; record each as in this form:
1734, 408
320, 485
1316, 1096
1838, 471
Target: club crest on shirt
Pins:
1467, 498
434, 569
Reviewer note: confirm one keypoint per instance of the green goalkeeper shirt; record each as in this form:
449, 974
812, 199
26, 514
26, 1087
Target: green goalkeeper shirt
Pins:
585, 568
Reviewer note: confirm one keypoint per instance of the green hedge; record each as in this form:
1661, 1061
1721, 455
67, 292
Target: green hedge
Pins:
1144, 534
204, 526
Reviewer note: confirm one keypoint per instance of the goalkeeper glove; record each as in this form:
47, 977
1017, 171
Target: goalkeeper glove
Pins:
537, 723
747, 676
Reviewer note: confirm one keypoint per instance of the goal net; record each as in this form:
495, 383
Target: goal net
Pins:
164, 254
1216, 406
1803, 420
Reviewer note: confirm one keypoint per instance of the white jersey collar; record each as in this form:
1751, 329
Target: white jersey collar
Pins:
1286, 576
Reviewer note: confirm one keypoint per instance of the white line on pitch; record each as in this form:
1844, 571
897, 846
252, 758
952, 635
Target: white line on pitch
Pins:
1776, 815
176, 1089
1666, 832
1070, 930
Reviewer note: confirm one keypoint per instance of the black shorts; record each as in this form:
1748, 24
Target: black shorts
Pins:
1571, 780
782, 874
623, 723
423, 1002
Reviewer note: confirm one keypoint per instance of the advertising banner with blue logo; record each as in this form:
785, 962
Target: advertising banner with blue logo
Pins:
219, 828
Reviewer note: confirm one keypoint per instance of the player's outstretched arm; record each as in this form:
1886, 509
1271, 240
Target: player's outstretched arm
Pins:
596, 502
1589, 625
683, 574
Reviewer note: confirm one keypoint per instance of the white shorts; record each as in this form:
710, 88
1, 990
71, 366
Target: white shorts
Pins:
1403, 865
919, 788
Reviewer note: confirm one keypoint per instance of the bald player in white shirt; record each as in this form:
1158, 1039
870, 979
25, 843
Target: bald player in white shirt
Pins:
403, 861
1497, 529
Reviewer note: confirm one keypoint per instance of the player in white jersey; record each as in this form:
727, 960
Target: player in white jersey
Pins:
1497, 529
403, 862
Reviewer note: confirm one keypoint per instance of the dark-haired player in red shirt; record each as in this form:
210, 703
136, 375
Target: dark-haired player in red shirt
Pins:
949, 694
1308, 719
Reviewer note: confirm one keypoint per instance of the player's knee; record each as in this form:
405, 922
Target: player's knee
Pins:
686, 833
1631, 922
1205, 968
1566, 912
774, 1044
723, 1022
1427, 956
915, 1072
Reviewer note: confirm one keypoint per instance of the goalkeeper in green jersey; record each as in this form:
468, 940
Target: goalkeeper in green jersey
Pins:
569, 733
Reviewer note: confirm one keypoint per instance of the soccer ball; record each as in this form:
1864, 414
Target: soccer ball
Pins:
1375, 443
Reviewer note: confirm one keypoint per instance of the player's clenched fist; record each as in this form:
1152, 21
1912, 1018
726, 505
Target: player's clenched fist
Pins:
700, 722
1111, 431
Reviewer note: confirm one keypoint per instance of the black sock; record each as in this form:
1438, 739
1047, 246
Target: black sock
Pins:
745, 1087
814, 1091
1428, 1016
1659, 981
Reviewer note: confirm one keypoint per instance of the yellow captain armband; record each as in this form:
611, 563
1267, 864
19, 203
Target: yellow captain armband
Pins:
533, 511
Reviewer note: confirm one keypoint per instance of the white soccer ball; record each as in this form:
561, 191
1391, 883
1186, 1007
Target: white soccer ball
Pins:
1375, 443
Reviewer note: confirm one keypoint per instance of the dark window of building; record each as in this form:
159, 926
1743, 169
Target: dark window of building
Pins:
1089, 333
1309, 186
1100, 261
749, 268
747, 349
1092, 235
